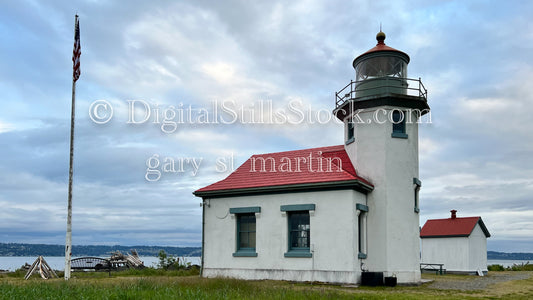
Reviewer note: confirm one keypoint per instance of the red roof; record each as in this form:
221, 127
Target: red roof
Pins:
380, 46
316, 165
457, 227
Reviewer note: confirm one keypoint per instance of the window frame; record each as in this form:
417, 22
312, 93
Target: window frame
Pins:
246, 219
417, 185
362, 211
291, 211
350, 132
299, 218
399, 125
243, 213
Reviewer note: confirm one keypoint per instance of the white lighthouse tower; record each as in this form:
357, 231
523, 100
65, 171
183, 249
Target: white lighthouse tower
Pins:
381, 110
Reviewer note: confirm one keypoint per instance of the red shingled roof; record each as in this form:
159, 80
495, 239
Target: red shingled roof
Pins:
290, 168
381, 47
458, 227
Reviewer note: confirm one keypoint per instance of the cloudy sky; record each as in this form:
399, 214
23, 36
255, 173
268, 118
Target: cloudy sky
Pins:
475, 58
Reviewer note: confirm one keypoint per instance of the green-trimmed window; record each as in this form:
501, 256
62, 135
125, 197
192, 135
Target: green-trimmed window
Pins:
362, 211
299, 231
350, 135
360, 233
398, 124
246, 232
417, 183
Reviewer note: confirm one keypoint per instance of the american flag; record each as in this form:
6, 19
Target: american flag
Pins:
76, 52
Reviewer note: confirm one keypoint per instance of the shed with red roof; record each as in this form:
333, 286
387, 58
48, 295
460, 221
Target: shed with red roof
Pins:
458, 243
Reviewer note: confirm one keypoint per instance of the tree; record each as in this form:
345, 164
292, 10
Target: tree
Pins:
167, 261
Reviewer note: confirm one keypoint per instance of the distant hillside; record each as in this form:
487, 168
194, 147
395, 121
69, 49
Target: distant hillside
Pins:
504, 255
14, 249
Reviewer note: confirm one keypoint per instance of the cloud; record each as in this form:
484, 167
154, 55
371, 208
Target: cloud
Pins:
5, 127
474, 156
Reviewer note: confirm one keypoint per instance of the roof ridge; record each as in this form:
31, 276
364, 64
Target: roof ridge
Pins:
305, 149
474, 217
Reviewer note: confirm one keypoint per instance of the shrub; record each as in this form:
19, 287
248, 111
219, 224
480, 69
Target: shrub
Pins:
496, 268
169, 262
523, 267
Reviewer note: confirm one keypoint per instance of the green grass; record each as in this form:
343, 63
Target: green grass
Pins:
163, 288
158, 284
145, 272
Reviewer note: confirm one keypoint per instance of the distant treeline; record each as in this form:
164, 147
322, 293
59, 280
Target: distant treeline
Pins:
504, 255
15, 249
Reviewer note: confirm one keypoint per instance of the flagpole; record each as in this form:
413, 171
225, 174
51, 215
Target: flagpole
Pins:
68, 245
68, 241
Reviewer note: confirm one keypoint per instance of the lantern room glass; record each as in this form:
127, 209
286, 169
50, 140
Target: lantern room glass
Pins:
381, 66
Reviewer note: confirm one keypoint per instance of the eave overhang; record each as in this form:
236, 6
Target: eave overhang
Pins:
356, 184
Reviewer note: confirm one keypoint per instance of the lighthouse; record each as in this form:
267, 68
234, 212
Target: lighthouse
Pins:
381, 110
356, 222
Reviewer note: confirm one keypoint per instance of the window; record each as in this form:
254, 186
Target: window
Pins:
362, 210
398, 124
360, 232
246, 233
350, 132
379, 66
246, 230
417, 184
299, 229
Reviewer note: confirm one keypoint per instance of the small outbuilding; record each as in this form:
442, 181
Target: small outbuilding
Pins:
460, 244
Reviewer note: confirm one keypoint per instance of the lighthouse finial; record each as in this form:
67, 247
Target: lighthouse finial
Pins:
380, 36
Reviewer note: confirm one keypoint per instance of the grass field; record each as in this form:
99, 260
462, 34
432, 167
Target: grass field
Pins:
158, 284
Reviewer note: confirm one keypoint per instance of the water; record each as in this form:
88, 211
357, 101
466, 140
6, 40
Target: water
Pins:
11, 263
507, 262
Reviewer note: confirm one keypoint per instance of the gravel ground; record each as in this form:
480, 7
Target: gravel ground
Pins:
477, 283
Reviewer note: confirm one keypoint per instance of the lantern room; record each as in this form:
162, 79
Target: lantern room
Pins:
381, 69
381, 61
381, 79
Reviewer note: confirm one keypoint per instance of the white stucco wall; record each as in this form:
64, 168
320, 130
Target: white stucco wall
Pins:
390, 164
458, 254
333, 229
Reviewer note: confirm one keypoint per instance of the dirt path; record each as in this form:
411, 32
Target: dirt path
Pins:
469, 283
